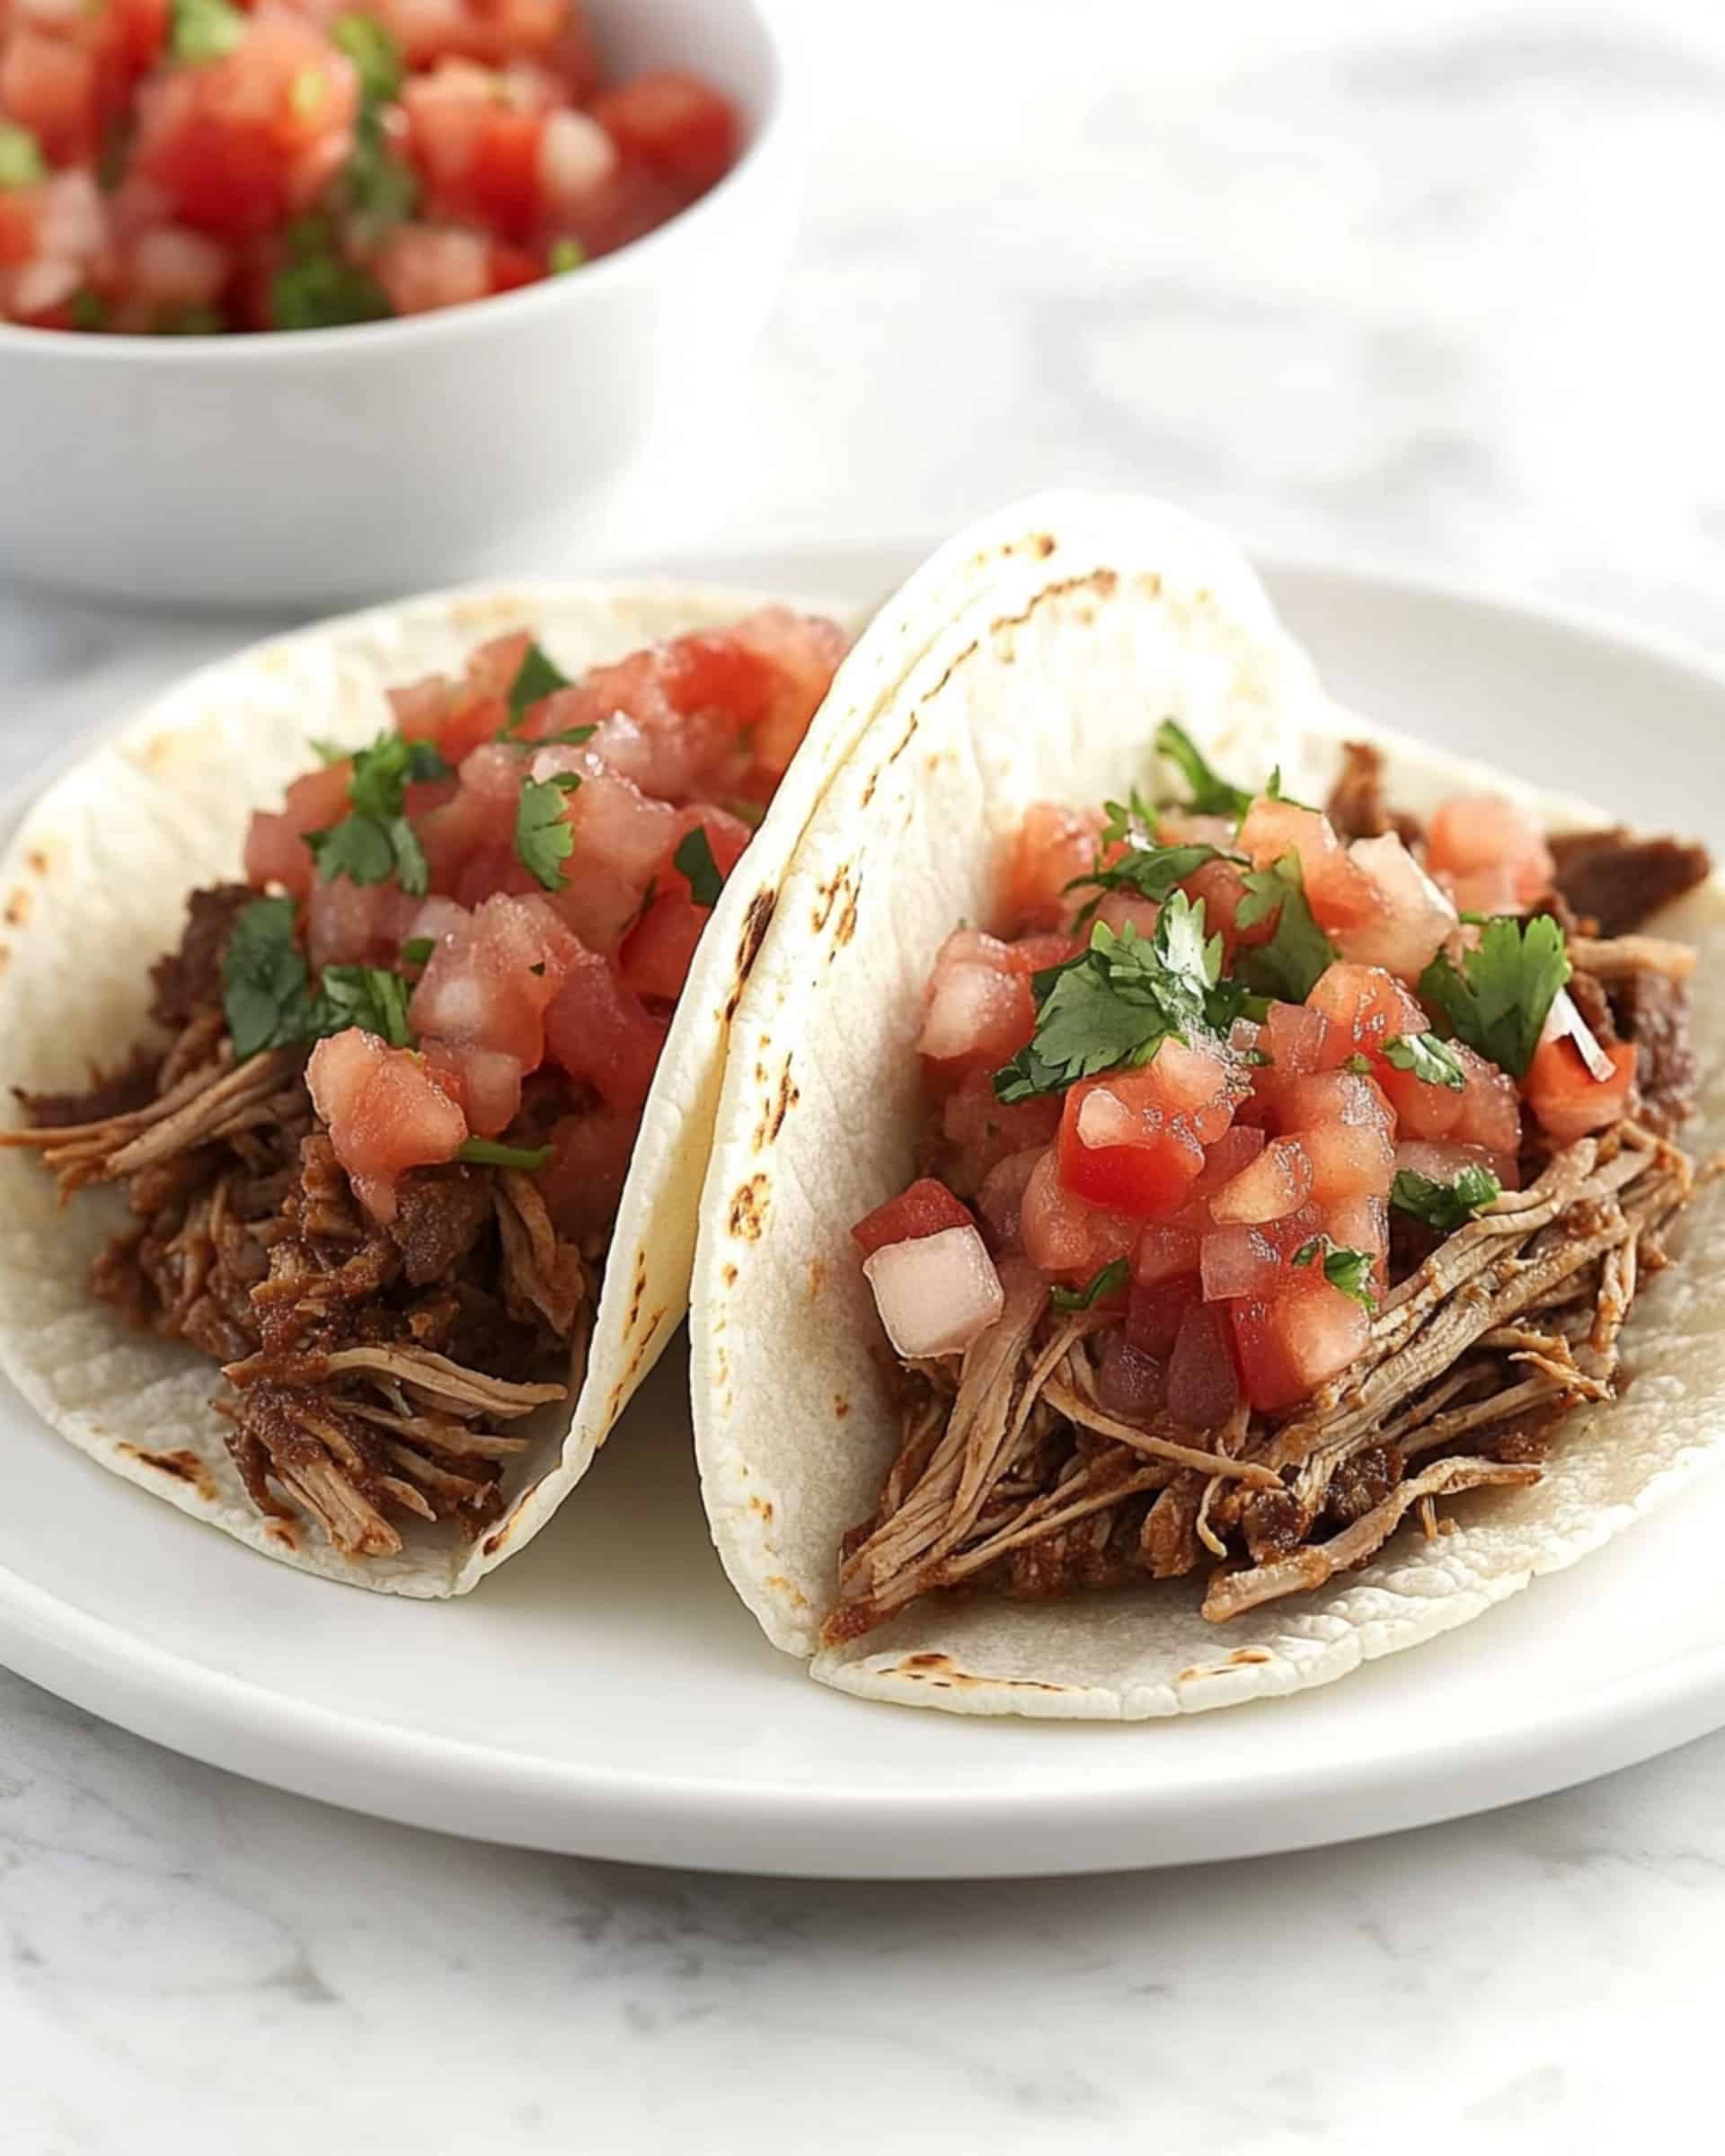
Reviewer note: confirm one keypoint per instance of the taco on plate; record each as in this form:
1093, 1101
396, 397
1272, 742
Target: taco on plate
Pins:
1199, 1172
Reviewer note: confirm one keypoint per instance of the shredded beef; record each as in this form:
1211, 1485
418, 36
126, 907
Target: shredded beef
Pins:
1617, 880
440, 1214
1587, 994
1653, 1010
190, 979
129, 1087
1357, 807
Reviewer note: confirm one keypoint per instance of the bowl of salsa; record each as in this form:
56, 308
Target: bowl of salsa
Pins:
302, 301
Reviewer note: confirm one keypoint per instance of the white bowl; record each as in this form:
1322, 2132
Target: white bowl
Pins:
307, 466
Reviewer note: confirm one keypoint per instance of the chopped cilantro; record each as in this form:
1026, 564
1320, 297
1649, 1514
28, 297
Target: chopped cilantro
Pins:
1427, 1058
375, 840
377, 56
1361, 1065
1273, 792
321, 291
264, 975
486, 1152
21, 162
308, 92
537, 677
1499, 1003
1446, 1206
1131, 822
694, 861
1349, 1271
328, 751
1211, 795
1151, 870
417, 951
376, 185
88, 310
564, 255
191, 320
366, 998
1118, 1001
543, 838
1290, 964
1109, 1281
200, 31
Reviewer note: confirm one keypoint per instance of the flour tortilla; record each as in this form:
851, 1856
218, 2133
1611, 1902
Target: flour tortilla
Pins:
1050, 686
94, 887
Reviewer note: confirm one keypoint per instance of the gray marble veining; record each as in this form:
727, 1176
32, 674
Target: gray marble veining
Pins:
1434, 285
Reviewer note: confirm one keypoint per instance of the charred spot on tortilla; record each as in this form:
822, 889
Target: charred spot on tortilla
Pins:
756, 921
827, 895
729, 1275
868, 791
1044, 544
783, 1101
846, 925
36, 861
180, 1465
749, 1207
18, 907
841, 1407
817, 1278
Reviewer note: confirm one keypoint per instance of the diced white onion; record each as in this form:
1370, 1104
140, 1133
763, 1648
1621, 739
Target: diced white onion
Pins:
936, 1293
1564, 1019
1105, 1119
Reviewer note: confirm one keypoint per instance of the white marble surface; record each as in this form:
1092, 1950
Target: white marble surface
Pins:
1436, 284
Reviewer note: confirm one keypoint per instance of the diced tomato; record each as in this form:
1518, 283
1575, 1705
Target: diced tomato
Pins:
1170, 1250
1340, 1097
1276, 1184
1411, 918
1152, 1314
1444, 1163
1130, 1383
1491, 1113
1568, 1100
349, 923
1349, 1161
489, 984
1203, 1381
1064, 1235
1220, 887
1031, 955
1490, 852
49, 85
1362, 1223
674, 124
1052, 848
802, 653
583, 1180
1000, 1198
1289, 1344
386, 1111
1123, 910
603, 1034
1422, 1109
1340, 896
984, 1131
1252, 1260
484, 1083
927, 1208
1185, 828
1297, 1039
977, 1011
1236, 1149
1366, 1007
657, 952
275, 842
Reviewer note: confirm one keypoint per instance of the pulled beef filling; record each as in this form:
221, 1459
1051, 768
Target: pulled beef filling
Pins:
371, 1372
1617, 880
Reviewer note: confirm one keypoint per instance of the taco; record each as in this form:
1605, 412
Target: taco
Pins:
363, 1001
1201, 1172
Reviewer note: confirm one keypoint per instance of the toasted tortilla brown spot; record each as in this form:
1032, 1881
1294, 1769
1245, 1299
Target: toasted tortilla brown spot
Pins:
761, 1506
36, 861
779, 1584
755, 923
868, 791
828, 896
749, 1208
845, 926
643, 1344
283, 1531
1044, 545
780, 1106
1245, 1656
18, 908
183, 1464
731, 1276
817, 1278
841, 1407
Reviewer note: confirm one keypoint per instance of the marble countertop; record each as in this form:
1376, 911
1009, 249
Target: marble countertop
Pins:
1435, 285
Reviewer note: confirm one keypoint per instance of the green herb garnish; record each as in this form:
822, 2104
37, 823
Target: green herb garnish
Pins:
417, 951
368, 997
1446, 1206
21, 162
195, 319
694, 861
1118, 1001
1349, 1271
537, 677
377, 56
1153, 871
486, 1152
375, 840
1109, 1281
543, 838
1498, 1004
564, 255
1290, 965
1211, 795
1432, 1060
268, 998
325, 292
200, 31
88, 310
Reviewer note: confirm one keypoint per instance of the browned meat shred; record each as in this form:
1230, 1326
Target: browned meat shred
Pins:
1617, 880
367, 1368
1357, 807
1653, 1010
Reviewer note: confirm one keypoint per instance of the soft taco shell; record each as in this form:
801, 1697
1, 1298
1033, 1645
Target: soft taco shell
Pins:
1050, 687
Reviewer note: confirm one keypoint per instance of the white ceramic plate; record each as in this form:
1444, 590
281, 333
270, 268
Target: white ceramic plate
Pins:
604, 1693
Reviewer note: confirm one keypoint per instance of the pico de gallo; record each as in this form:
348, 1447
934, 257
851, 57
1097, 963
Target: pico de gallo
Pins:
195, 166
1283, 1169
374, 1168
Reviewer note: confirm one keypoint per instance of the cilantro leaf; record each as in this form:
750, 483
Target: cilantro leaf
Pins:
1153, 871
264, 976
1349, 1271
543, 838
417, 951
376, 841
1109, 1281
1117, 1001
200, 31
1131, 822
368, 997
1446, 1206
486, 1152
1273, 792
1427, 1058
694, 861
358, 848
1291, 963
537, 677
323, 292
1211, 795
1361, 1065
21, 162
564, 255
377, 56
1498, 1004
